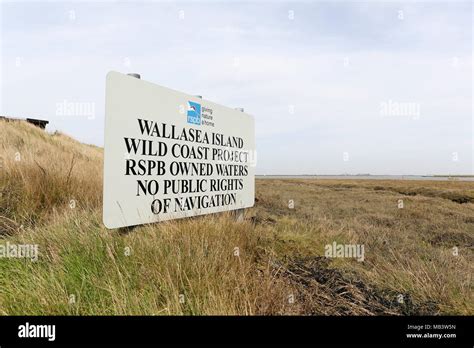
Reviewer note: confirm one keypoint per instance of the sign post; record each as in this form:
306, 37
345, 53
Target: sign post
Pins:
171, 155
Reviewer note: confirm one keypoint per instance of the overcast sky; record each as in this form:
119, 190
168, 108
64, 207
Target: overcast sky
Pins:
344, 87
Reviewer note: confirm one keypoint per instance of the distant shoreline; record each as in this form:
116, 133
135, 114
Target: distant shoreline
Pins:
372, 177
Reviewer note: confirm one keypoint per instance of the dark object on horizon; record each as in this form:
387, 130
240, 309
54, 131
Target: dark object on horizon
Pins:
38, 123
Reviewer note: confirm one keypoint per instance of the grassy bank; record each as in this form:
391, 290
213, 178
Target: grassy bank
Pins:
272, 263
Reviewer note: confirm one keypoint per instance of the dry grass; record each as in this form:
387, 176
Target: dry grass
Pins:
42, 173
408, 251
191, 266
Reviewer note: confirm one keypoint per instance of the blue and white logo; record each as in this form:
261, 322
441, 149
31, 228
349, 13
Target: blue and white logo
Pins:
194, 113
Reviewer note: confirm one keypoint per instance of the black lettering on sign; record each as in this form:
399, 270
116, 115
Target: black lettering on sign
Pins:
190, 156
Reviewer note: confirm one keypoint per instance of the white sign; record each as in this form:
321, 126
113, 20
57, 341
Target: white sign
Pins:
170, 155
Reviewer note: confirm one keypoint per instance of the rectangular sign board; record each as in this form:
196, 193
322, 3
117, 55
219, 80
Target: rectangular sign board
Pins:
170, 155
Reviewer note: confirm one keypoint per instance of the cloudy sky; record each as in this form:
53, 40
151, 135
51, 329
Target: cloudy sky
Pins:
342, 87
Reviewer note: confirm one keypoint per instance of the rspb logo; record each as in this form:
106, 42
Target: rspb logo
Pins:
194, 113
